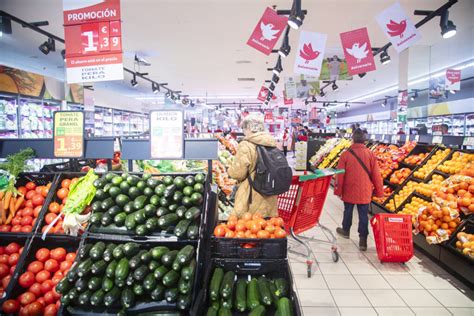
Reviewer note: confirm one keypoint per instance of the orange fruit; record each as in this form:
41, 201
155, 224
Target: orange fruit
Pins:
255, 227
239, 227
257, 216
247, 216
248, 224
239, 234
232, 218
263, 234
231, 225
229, 234
219, 231
270, 228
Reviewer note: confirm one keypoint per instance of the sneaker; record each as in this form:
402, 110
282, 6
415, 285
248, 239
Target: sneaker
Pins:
342, 232
363, 243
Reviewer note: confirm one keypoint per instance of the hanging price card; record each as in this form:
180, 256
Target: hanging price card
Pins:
468, 141
68, 134
167, 134
437, 139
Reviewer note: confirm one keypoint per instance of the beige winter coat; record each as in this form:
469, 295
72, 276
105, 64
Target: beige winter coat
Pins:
244, 162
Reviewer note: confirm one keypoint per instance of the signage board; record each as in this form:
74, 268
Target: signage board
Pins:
167, 134
68, 134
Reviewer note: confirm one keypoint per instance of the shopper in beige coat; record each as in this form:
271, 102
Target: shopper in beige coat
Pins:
245, 162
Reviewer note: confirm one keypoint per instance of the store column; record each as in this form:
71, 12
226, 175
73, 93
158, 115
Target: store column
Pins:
402, 103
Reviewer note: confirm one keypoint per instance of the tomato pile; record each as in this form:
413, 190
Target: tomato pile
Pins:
251, 226
40, 279
55, 207
30, 202
9, 256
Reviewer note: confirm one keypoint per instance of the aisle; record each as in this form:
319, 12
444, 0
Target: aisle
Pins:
360, 285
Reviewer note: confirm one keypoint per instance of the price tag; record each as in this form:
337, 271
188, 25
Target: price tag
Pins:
68, 134
372, 137
468, 141
167, 134
417, 138
437, 139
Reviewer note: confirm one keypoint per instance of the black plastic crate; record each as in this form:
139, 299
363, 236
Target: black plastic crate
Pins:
466, 226
68, 166
244, 268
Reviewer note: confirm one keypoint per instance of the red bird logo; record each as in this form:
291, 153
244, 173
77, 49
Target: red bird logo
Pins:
395, 29
308, 53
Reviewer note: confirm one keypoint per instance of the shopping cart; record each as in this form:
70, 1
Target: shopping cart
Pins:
393, 237
301, 207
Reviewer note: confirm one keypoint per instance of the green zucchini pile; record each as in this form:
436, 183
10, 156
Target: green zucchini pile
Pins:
227, 293
146, 204
119, 275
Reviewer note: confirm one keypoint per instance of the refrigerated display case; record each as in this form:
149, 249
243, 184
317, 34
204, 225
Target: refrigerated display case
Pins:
458, 125
8, 116
36, 117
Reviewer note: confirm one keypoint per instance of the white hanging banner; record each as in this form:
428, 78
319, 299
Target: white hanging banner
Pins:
399, 29
310, 53
453, 79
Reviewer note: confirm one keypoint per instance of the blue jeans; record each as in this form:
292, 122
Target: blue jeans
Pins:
363, 210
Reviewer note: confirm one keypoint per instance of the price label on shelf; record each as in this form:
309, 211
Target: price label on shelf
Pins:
437, 139
468, 141
167, 134
68, 134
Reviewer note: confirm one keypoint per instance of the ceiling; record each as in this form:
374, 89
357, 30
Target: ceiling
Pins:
199, 47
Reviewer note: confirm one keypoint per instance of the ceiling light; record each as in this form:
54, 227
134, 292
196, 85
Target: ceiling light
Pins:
335, 114
48, 46
63, 54
134, 81
275, 79
155, 88
347, 105
322, 94
296, 17
5, 25
278, 68
448, 29
362, 75
314, 98
334, 86
384, 103
384, 58
285, 46
414, 96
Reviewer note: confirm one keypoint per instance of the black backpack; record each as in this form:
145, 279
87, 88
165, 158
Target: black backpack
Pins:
273, 174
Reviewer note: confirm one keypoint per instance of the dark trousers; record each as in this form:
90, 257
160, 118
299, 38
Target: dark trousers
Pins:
285, 150
363, 210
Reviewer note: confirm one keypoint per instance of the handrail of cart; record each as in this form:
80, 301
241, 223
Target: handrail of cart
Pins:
320, 173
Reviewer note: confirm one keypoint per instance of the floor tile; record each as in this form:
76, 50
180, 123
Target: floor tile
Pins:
354, 257
430, 311
355, 311
403, 282
462, 311
316, 282
316, 298
301, 268
326, 311
391, 268
361, 268
350, 298
453, 298
341, 282
372, 282
418, 298
435, 282
334, 268
394, 311
384, 298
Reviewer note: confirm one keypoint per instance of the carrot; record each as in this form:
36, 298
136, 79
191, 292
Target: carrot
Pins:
9, 219
12, 205
2, 193
18, 203
6, 201
3, 218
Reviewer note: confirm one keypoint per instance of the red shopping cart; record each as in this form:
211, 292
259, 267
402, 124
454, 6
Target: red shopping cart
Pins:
393, 237
301, 207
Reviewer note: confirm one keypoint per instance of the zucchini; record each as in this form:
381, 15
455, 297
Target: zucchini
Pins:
193, 231
130, 221
224, 311
130, 280
118, 252
167, 220
211, 311
108, 253
131, 249
168, 258
73, 295
184, 286
158, 293
72, 274
265, 295
273, 291
153, 264
96, 217
151, 224
215, 285
97, 297
63, 286
122, 269
141, 230
138, 289
160, 272
173, 208
181, 228
112, 296
139, 202
169, 191
260, 311
120, 218
120, 283
170, 279
216, 305
135, 262
187, 273
140, 273
84, 297
227, 286
128, 208
192, 214
180, 211
114, 210
145, 257
81, 285
94, 283
84, 251
150, 210
140, 217
110, 270
184, 301
281, 286
171, 295
185, 255
158, 252
106, 204
241, 295
107, 284
65, 300
162, 211
227, 303
253, 298
84, 267
98, 268
127, 298
149, 283
177, 266
106, 219
284, 307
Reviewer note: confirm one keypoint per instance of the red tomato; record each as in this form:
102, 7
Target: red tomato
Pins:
46, 286
13, 259
27, 298
12, 269
42, 254
27, 279
35, 266
29, 195
2, 250
59, 272
21, 250
56, 279
65, 183
5, 281
36, 289
5, 228
65, 266
4, 259
44, 192
12, 247
16, 220
54, 207
38, 199
27, 211
71, 257
74, 181
4, 270
36, 308
56, 294
16, 229
58, 254
49, 298
49, 218
51, 265
29, 203
42, 276
50, 310
30, 185
62, 193
26, 229
10, 306
26, 220
22, 190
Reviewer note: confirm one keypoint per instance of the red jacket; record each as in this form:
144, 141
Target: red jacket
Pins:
354, 186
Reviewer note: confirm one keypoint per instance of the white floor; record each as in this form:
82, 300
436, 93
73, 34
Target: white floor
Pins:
360, 285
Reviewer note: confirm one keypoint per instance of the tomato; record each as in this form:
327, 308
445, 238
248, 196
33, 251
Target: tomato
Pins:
16, 220
16, 229
13, 259
65, 266
30, 185
51, 265
4, 270
56, 279
26, 229
4, 259
37, 211
44, 192
27, 279
59, 272
65, 183
219, 231
280, 233
11, 248
49, 218
56, 294
21, 250
12, 269
26, 220
5, 228
29, 195
42, 276
36, 289
27, 211
54, 207
58, 254
62, 193
29, 203
36, 308
46, 286
5, 281
50, 310
71, 257
74, 181
35, 266
27, 298
38, 199
42, 254
10, 306
2, 250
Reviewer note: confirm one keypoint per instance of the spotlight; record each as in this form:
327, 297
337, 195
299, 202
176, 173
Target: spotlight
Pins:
168, 94
314, 98
48, 46
278, 68
448, 29
452, 91
306, 102
296, 17
362, 75
63, 54
271, 87
384, 58
285, 47
5, 25
334, 86
414, 96
335, 114
322, 94
134, 81
155, 88
347, 105
275, 79
384, 103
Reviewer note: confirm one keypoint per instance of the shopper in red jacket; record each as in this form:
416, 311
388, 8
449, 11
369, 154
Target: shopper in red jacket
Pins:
355, 187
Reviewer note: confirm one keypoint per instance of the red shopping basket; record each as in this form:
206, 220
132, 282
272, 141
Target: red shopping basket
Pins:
393, 237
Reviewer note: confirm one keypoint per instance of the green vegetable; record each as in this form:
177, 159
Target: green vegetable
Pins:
149, 283
97, 297
162, 211
264, 291
140, 217
155, 200
94, 283
282, 287
158, 252
180, 211
284, 307
192, 214
120, 218
96, 217
14, 165
153, 265
171, 295
122, 200
273, 291
158, 293
81, 285
168, 220
224, 311
170, 279
84, 251
63, 286
200, 178
106, 219
130, 222
136, 261
215, 284
110, 271
118, 252
253, 298
227, 285
211, 311
168, 258
139, 202
196, 198
73, 295
83, 299
193, 231
84, 267
131, 249
112, 296
108, 253
151, 224
114, 210
226, 302
160, 272
140, 273
187, 273
150, 210
185, 254
97, 251
98, 268
184, 302
241, 295
141, 230
184, 286
72, 274
138, 289
107, 284
122, 269
65, 300
127, 298
258, 311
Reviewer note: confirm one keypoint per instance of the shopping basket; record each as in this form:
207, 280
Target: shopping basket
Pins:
301, 207
393, 237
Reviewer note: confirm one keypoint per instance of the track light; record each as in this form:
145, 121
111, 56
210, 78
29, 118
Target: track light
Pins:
285, 46
275, 79
384, 58
134, 81
63, 54
155, 88
384, 103
306, 102
271, 87
314, 99
452, 91
321, 93
5, 25
334, 86
278, 68
362, 75
414, 96
48, 46
347, 105
296, 17
448, 29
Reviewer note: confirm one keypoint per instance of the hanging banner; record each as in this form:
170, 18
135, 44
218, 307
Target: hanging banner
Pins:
167, 134
68, 134
403, 98
287, 101
290, 87
262, 95
453, 79
358, 51
93, 40
399, 29
267, 32
268, 117
310, 53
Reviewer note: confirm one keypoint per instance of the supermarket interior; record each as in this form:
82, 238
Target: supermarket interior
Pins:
153, 162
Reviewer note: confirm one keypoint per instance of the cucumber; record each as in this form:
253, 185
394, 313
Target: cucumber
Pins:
81, 285
216, 305
110, 270
97, 251
106, 219
160, 272
177, 266
128, 208
72, 274
130, 280
98, 268
131, 249
84, 251
138, 289
73, 295
185, 255
145, 257
150, 210
94, 283
193, 231
141, 230
187, 273
273, 291
106, 204
140, 217
259, 311
97, 297
127, 299
130, 222
173, 208
65, 300
155, 200
253, 298
282, 287
120, 283
181, 228
180, 211
158, 252
112, 296
224, 311
227, 286
211, 311
184, 301
162, 211
264, 291
108, 253
184, 286
122, 269
114, 210
149, 283
120, 218
63, 286
136, 261
84, 267
141, 272
96, 217
168, 258
215, 285
168, 220
171, 295
284, 307
170, 279
107, 284
139, 202
118, 252
151, 224
122, 199
227, 303
241, 295
84, 297
193, 213
153, 264
158, 293
169, 191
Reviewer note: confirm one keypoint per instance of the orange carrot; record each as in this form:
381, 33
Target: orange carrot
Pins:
18, 203
9, 219
12, 205
3, 217
6, 201
2, 193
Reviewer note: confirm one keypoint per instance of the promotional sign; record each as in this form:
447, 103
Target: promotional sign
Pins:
167, 134
267, 31
334, 68
358, 51
68, 134
310, 53
287, 101
402, 98
290, 87
399, 29
93, 40
268, 117
262, 95
453, 79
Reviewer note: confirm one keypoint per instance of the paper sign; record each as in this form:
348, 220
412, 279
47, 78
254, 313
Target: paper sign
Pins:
468, 141
267, 31
399, 29
310, 53
290, 87
262, 94
358, 51
372, 137
68, 134
437, 140
167, 134
417, 138
402, 100
453, 79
